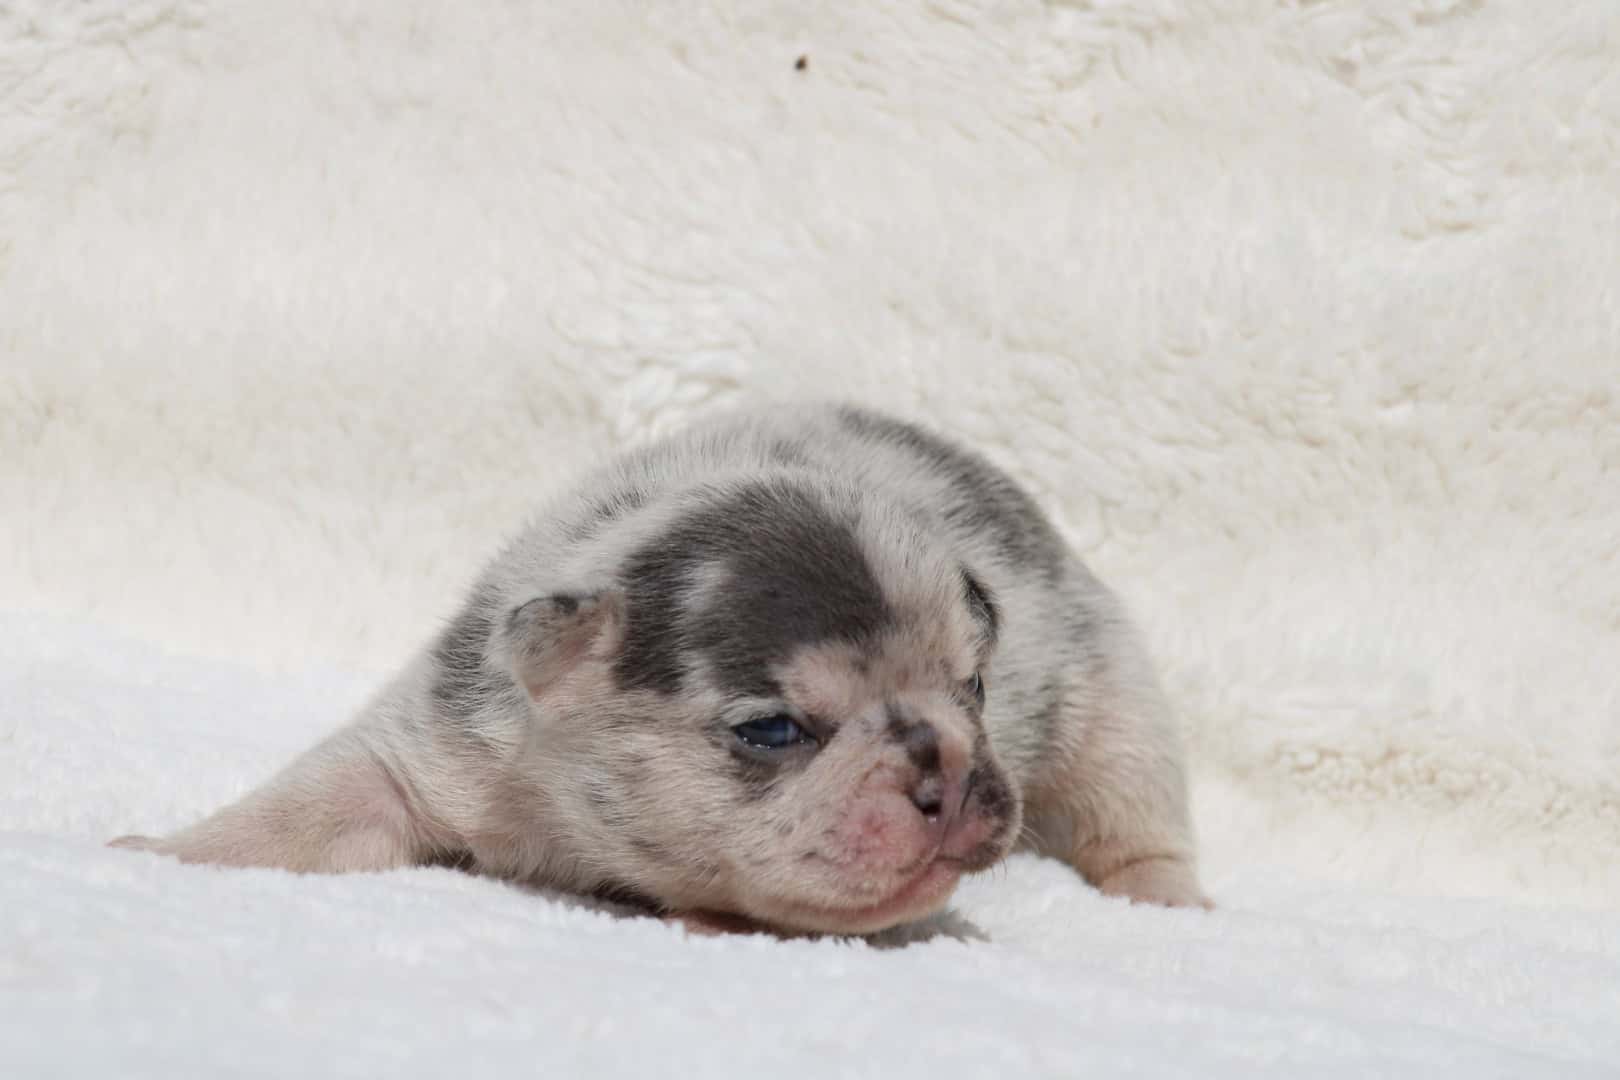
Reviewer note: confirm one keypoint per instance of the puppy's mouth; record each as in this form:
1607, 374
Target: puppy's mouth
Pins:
922, 891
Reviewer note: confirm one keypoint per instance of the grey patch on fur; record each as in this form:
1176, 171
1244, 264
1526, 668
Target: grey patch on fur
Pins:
993, 794
1047, 713
453, 860
607, 796
627, 896
982, 498
464, 680
945, 924
609, 811
652, 850
796, 576
918, 737
982, 605
786, 452
1078, 620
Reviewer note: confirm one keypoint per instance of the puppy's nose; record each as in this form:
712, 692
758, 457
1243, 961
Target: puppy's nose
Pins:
928, 795
936, 777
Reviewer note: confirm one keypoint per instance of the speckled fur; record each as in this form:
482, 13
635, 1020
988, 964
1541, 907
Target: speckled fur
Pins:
572, 726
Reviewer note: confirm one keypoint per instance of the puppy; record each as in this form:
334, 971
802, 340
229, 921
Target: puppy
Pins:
802, 668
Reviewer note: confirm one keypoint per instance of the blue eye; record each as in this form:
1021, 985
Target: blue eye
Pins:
772, 732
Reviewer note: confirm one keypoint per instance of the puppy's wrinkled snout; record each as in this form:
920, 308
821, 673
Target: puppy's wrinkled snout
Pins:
964, 799
939, 778
987, 816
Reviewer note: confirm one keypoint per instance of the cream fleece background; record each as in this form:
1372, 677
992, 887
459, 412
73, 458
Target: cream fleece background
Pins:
1303, 318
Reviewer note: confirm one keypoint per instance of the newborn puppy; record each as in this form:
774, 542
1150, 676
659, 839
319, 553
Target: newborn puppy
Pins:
805, 667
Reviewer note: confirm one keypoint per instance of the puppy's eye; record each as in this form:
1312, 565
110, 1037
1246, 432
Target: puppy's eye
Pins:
772, 733
974, 688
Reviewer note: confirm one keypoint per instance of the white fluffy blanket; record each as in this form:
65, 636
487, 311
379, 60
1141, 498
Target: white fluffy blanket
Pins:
1302, 318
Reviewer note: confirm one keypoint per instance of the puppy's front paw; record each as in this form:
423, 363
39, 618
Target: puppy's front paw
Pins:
1167, 881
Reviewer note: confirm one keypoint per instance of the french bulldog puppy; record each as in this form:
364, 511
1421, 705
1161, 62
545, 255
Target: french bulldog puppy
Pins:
798, 668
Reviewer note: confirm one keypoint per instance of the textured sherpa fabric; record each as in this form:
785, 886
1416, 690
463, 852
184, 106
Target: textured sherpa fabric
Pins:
1303, 319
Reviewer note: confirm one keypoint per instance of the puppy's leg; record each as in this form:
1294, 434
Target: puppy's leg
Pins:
1111, 797
337, 808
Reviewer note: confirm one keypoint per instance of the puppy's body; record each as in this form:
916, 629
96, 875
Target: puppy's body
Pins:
803, 666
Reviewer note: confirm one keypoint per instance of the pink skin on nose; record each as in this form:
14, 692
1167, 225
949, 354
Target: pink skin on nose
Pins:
886, 832
883, 832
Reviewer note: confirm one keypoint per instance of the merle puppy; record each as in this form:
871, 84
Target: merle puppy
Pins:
798, 667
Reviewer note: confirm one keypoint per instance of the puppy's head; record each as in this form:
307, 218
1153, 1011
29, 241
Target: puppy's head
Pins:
776, 711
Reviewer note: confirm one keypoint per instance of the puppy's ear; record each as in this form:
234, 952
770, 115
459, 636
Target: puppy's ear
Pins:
551, 635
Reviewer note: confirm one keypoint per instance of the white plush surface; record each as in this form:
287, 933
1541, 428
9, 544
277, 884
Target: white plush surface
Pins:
1302, 318
129, 965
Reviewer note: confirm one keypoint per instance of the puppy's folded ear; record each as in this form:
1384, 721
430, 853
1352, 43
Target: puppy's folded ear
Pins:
551, 635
